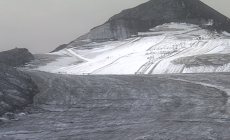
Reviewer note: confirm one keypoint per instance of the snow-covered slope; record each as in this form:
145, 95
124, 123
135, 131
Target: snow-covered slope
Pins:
168, 48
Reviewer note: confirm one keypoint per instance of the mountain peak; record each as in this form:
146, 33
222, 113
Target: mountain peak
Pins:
156, 12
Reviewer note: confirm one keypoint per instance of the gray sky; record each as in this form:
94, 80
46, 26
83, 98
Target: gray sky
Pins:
43, 25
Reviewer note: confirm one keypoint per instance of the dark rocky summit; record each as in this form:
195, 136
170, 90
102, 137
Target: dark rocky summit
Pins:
156, 12
16, 89
16, 57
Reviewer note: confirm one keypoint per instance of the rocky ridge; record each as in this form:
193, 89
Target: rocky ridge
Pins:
60, 47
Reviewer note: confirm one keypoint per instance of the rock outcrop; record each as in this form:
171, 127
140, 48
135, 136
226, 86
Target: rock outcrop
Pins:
16, 89
157, 12
16, 57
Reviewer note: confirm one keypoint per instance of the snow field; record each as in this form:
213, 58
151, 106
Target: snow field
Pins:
145, 54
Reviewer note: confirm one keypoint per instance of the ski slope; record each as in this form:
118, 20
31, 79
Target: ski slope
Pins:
159, 51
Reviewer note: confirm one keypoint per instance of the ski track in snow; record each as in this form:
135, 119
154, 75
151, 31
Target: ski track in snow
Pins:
149, 53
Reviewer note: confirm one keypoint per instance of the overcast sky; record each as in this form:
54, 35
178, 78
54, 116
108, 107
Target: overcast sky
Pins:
43, 25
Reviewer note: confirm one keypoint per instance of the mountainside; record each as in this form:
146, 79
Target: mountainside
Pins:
171, 47
157, 37
156, 12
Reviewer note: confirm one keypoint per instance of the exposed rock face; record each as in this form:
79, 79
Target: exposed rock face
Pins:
16, 89
156, 12
16, 57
